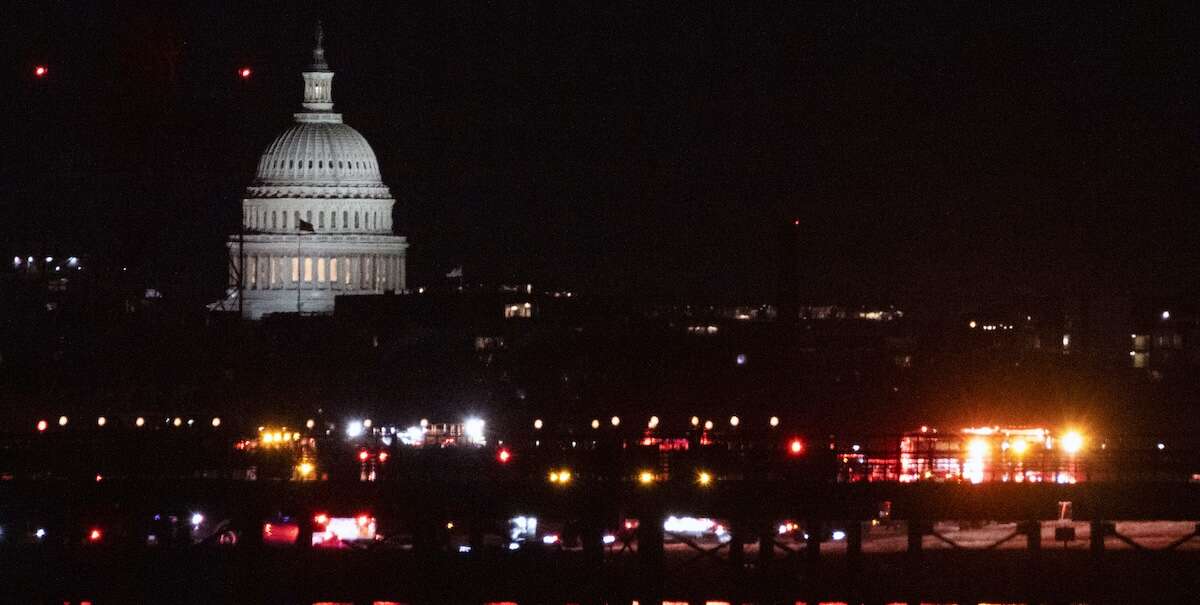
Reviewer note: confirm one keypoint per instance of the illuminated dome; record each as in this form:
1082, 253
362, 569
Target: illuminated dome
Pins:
317, 218
325, 154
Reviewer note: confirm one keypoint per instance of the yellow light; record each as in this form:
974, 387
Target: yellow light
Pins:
595, 423
140, 421
553, 477
267, 438
564, 476
62, 421
1072, 442
646, 477
367, 423
295, 436
310, 423
774, 420
178, 421
695, 421
708, 425
616, 421
972, 324
704, 478
449, 525
978, 448
216, 422
537, 424
1019, 446
653, 422
305, 469
734, 421
101, 421
278, 437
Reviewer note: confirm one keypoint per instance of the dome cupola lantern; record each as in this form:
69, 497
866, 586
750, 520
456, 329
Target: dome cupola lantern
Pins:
318, 82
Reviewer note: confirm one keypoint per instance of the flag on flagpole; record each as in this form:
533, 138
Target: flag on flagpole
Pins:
455, 272
305, 226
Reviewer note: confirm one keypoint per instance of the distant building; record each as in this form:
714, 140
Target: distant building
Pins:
317, 219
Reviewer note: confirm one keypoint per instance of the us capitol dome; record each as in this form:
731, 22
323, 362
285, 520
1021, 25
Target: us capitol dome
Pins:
317, 218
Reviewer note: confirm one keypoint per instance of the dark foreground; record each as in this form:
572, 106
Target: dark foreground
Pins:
265, 575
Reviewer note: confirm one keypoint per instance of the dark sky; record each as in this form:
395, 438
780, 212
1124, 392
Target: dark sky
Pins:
932, 154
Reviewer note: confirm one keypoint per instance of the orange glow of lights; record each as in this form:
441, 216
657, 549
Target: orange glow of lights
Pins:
796, 447
978, 448
645, 477
1072, 442
704, 478
1019, 446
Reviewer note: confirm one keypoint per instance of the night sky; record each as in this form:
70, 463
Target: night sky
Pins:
932, 155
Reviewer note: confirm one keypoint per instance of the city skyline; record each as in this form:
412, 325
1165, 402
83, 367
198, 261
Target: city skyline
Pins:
946, 153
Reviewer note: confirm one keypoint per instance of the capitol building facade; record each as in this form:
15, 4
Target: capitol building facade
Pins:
317, 219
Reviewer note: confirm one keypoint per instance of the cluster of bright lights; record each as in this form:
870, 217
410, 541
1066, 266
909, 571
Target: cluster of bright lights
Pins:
305, 469
473, 431
279, 437
704, 478
560, 476
645, 477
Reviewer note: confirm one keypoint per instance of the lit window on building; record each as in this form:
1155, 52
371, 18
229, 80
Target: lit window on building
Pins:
518, 310
1139, 359
308, 269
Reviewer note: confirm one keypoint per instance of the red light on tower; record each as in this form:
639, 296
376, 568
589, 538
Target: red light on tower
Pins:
504, 455
363, 455
796, 447
244, 73
40, 71
95, 535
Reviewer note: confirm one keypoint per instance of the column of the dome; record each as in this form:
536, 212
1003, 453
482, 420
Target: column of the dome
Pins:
403, 284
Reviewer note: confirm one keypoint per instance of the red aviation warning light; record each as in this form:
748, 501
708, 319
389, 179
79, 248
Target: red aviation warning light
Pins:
795, 447
40, 71
244, 73
504, 455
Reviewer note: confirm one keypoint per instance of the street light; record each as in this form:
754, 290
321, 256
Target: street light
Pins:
1072, 442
